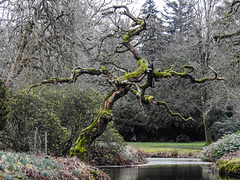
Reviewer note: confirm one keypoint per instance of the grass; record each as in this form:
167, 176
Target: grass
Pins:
180, 149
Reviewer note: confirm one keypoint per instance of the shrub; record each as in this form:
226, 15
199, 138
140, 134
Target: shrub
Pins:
29, 119
227, 144
60, 113
3, 105
228, 126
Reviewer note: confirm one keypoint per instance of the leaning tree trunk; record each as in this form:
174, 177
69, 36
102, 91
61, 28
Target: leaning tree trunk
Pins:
89, 134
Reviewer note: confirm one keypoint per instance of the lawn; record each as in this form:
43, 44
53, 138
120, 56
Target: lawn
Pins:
175, 149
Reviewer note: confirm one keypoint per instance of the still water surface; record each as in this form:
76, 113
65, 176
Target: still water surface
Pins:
164, 169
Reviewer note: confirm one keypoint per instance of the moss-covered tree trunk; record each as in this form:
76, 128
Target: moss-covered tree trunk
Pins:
89, 134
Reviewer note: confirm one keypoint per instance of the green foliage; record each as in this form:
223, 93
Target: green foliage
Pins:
111, 139
228, 126
227, 144
3, 105
228, 167
29, 118
221, 123
61, 113
154, 123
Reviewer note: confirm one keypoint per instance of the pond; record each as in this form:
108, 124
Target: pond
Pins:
164, 169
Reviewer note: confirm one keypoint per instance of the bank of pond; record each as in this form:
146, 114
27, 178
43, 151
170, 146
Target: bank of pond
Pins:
130, 164
169, 169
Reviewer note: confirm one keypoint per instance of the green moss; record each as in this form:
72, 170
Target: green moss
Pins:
170, 72
65, 79
148, 98
103, 69
130, 32
128, 35
81, 148
77, 71
94, 174
159, 74
173, 113
143, 65
228, 166
134, 91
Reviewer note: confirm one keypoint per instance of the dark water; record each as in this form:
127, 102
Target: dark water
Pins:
164, 169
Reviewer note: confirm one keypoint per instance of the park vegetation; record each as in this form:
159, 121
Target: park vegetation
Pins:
80, 77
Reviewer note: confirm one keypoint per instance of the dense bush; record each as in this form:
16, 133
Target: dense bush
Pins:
59, 113
227, 144
111, 139
3, 105
228, 126
151, 123
29, 119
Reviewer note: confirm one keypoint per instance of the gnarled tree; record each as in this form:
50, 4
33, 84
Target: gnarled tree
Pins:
136, 82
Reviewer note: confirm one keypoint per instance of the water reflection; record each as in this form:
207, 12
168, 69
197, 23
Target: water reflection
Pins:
164, 169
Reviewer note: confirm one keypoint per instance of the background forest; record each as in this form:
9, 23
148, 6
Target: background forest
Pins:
47, 39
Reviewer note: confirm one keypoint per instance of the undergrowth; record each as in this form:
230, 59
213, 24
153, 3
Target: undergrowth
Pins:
24, 166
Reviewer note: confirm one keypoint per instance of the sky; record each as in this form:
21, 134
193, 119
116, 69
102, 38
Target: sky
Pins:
138, 3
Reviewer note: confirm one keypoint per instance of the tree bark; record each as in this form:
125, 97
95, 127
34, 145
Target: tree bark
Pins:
208, 135
89, 134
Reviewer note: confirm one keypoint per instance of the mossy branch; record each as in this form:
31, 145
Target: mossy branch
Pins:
224, 36
169, 110
150, 99
138, 74
174, 113
232, 10
170, 72
75, 74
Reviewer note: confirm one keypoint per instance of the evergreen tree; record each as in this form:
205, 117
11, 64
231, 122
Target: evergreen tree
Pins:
149, 7
178, 15
150, 45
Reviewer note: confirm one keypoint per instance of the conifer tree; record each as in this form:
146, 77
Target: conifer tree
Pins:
150, 45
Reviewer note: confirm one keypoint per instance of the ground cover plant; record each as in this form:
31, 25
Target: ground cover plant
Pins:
25, 166
227, 144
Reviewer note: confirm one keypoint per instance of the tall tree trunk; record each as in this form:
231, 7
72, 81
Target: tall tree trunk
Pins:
18, 63
89, 134
208, 135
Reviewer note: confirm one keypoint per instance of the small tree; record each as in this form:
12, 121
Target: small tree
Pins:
122, 84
